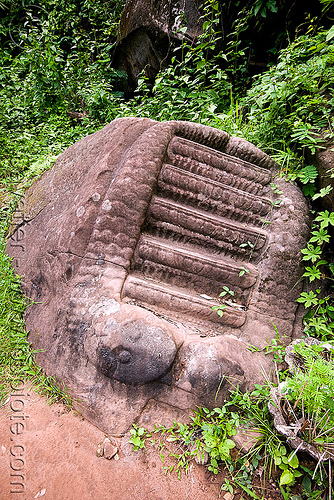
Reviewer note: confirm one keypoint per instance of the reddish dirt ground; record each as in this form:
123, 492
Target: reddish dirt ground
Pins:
51, 454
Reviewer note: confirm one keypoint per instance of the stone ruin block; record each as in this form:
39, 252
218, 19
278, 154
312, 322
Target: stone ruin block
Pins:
146, 30
124, 247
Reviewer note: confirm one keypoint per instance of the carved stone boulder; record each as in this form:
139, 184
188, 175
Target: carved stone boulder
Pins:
125, 246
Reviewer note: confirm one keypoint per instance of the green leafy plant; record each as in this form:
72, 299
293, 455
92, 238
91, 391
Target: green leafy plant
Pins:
320, 309
275, 188
227, 486
138, 437
194, 86
289, 465
62, 65
325, 218
311, 253
217, 427
288, 114
219, 309
243, 271
276, 346
208, 433
208, 438
275, 203
225, 294
310, 390
247, 244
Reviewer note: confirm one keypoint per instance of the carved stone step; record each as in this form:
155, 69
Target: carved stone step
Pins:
216, 234
218, 166
180, 301
212, 196
201, 272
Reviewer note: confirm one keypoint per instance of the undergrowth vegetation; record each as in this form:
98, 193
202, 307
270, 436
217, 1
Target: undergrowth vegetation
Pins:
311, 390
57, 63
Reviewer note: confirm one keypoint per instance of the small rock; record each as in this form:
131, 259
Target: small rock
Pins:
100, 451
228, 496
109, 448
246, 438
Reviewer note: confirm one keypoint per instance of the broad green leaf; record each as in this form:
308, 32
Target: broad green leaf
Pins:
323, 192
201, 64
293, 462
286, 478
325, 218
330, 34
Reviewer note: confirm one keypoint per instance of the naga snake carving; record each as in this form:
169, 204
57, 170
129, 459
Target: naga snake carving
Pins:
125, 245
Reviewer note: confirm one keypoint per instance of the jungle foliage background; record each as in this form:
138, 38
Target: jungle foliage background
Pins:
56, 58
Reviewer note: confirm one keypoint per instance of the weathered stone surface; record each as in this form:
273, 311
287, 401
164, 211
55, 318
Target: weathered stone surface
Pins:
146, 29
125, 246
134, 353
247, 437
323, 159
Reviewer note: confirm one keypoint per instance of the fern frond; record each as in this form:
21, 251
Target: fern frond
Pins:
308, 174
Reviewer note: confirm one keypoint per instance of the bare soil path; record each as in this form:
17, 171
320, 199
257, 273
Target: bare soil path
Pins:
47, 452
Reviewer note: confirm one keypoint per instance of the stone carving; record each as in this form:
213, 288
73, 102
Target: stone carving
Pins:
125, 246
